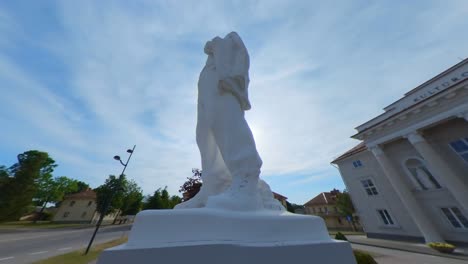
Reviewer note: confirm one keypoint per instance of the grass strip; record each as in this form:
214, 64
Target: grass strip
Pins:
346, 233
78, 257
39, 224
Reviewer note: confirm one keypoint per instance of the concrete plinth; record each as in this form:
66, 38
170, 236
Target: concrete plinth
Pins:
207, 236
331, 252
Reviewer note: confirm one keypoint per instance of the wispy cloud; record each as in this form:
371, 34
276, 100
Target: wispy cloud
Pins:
88, 79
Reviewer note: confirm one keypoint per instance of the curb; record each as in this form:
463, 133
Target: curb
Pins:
452, 256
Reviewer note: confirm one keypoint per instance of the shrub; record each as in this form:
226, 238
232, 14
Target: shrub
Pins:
442, 247
363, 257
46, 216
340, 236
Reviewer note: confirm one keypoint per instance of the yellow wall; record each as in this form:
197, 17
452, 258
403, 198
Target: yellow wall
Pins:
80, 210
332, 219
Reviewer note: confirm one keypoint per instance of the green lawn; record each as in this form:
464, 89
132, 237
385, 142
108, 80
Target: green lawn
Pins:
78, 257
39, 224
346, 233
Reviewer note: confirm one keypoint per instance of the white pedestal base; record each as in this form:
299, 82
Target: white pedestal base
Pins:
207, 236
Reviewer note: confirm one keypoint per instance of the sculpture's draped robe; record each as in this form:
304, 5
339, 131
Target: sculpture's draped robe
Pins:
230, 161
225, 141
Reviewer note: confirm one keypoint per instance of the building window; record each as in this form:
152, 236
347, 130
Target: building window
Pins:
313, 210
455, 217
72, 203
385, 217
357, 163
369, 187
326, 210
420, 175
461, 148
66, 214
336, 209
83, 215
339, 220
90, 203
320, 209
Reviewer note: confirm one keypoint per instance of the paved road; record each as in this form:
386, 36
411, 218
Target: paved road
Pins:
20, 247
392, 256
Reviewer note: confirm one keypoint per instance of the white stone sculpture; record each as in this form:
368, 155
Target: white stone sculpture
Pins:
230, 161
234, 218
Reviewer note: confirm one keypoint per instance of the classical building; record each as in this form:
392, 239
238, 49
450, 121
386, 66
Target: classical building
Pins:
80, 208
408, 178
324, 205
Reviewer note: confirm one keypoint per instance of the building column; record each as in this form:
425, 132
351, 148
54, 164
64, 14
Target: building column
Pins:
419, 216
436, 164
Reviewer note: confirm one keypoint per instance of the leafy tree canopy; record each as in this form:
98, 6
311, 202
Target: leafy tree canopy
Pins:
345, 206
162, 200
110, 195
54, 189
133, 199
20, 182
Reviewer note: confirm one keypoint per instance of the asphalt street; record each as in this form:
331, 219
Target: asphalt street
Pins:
27, 246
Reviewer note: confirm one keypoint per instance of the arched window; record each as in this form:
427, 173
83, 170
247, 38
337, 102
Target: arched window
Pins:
420, 175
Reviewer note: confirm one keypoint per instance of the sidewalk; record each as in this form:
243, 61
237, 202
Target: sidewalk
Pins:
460, 253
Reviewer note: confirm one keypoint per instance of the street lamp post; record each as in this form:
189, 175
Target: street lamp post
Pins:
109, 200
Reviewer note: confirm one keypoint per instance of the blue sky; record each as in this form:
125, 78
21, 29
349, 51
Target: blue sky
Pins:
85, 80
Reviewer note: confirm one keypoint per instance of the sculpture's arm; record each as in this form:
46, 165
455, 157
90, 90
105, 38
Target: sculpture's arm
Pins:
236, 86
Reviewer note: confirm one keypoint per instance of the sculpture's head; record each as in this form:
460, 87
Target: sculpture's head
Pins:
230, 48
231, 60
210, 45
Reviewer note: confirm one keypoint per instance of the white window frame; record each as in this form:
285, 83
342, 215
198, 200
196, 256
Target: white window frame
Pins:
389, 217
371, 189
416, 184
459, 154
449, 207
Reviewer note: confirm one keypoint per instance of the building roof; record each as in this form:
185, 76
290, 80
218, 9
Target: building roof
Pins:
279, 196
408, 100
86, 194
359, 148
323, 198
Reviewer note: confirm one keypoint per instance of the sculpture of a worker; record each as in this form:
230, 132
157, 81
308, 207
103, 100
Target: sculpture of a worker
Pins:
230, 161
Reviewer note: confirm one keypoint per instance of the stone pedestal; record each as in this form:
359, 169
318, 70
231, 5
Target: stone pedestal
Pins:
211, 236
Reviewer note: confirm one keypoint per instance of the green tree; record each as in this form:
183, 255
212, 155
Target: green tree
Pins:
17, 194
289, 207
53, 190
109, 196
81, 186
175, 200
161, 199
165, 198
4, 176
133, 199
154, 201
345, 206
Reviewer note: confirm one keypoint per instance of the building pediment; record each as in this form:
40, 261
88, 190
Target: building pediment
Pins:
448, 79
450, 99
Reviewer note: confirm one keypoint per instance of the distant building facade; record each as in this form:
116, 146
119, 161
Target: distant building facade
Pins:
408, 178
324, 205
80, 208
282, 199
